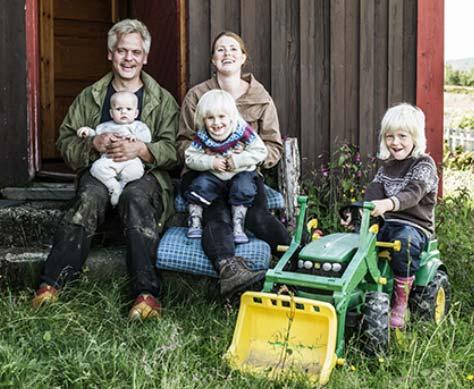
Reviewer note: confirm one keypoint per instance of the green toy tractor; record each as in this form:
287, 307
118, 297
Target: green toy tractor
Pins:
318, 292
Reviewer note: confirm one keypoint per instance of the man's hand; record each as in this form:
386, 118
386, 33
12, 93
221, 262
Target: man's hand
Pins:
121, 150
84, 132
101, 142
219, 164
381, 206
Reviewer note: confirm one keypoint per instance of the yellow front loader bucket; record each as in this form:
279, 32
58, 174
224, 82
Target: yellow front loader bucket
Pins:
279, 334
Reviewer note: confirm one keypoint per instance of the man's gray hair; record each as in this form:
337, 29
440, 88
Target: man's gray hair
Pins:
128, 26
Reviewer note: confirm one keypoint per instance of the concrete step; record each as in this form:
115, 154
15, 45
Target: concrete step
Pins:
21, 267
29, 223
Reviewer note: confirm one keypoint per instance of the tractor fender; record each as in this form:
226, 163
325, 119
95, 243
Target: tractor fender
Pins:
427, 272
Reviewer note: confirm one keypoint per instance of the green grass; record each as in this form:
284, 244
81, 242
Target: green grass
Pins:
86, 340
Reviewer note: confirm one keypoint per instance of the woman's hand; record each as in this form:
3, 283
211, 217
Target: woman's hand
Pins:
219, 164
381, 206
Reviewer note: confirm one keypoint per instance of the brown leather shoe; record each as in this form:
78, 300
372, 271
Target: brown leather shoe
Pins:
45, 295
235, 275
145, 307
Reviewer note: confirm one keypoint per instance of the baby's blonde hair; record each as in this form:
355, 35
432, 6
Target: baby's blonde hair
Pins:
408, 118
118, 95
216, 100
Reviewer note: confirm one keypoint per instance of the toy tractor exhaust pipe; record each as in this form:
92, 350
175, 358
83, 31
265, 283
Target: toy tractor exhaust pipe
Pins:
280, 335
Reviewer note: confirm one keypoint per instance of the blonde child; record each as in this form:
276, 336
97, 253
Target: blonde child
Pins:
404, 191
115, 175
227, 151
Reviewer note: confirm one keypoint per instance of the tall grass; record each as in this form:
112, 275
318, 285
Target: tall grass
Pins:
85, 341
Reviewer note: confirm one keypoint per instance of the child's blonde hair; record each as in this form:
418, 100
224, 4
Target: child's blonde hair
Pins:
408, 118
216, 100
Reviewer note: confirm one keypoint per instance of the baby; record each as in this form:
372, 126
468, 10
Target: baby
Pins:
115, 175
226, 150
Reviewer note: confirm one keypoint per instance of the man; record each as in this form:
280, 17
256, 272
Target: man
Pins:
146, 203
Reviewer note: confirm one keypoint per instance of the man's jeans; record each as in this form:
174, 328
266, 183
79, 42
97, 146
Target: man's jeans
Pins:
405, 262
139, 208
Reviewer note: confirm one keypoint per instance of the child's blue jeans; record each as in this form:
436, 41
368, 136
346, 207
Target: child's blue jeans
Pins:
405, 262
239, 190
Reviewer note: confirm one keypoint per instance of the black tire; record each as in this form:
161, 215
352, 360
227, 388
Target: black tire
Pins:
425, 300
375, 331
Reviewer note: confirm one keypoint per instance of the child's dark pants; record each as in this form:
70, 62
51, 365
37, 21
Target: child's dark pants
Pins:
405, 262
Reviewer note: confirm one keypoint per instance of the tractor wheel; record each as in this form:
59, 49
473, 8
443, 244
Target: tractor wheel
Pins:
431, 302
375, 323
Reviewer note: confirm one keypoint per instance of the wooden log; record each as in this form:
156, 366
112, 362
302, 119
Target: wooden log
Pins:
289, 173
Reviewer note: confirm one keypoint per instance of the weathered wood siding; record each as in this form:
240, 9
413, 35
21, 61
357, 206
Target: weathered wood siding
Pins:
332, 66
13, 94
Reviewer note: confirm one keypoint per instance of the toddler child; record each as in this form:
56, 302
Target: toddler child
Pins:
115, 175
404, 191
227, 151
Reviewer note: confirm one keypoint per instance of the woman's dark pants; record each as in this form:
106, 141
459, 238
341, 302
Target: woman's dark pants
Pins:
218, 240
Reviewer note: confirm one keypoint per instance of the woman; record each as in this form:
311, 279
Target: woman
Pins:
228, 55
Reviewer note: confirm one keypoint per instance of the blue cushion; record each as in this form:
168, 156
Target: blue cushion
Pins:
274, 200
178, 253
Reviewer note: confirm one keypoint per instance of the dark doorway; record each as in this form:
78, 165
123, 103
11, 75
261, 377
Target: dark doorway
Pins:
73, 55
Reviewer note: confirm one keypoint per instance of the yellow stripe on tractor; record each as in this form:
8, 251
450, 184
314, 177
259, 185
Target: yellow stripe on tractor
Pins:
281, 335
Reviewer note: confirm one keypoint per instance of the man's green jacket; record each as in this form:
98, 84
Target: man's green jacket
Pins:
159, 112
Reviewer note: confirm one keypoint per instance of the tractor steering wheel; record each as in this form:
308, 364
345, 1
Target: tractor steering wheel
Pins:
352, 213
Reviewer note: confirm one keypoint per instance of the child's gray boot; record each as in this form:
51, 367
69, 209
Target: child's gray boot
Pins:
238, 218
194, 222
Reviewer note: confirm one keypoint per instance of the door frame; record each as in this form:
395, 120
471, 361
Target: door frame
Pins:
33, 78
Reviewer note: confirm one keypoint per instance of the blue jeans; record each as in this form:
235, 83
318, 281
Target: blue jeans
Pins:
405, 262
239, 190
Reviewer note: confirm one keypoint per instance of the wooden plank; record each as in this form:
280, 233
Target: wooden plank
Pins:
351, 93
314, 85
255, 17
367, 133
430, 74
75, 28
381, 64
338, 74
47, 79
284, 64
161, 19
395, 52
33, 84
225, 16
199, 41
72, 58
409, 50
13, 95
88, 10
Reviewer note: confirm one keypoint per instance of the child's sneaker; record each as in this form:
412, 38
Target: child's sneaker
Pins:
45, 295
194, 222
